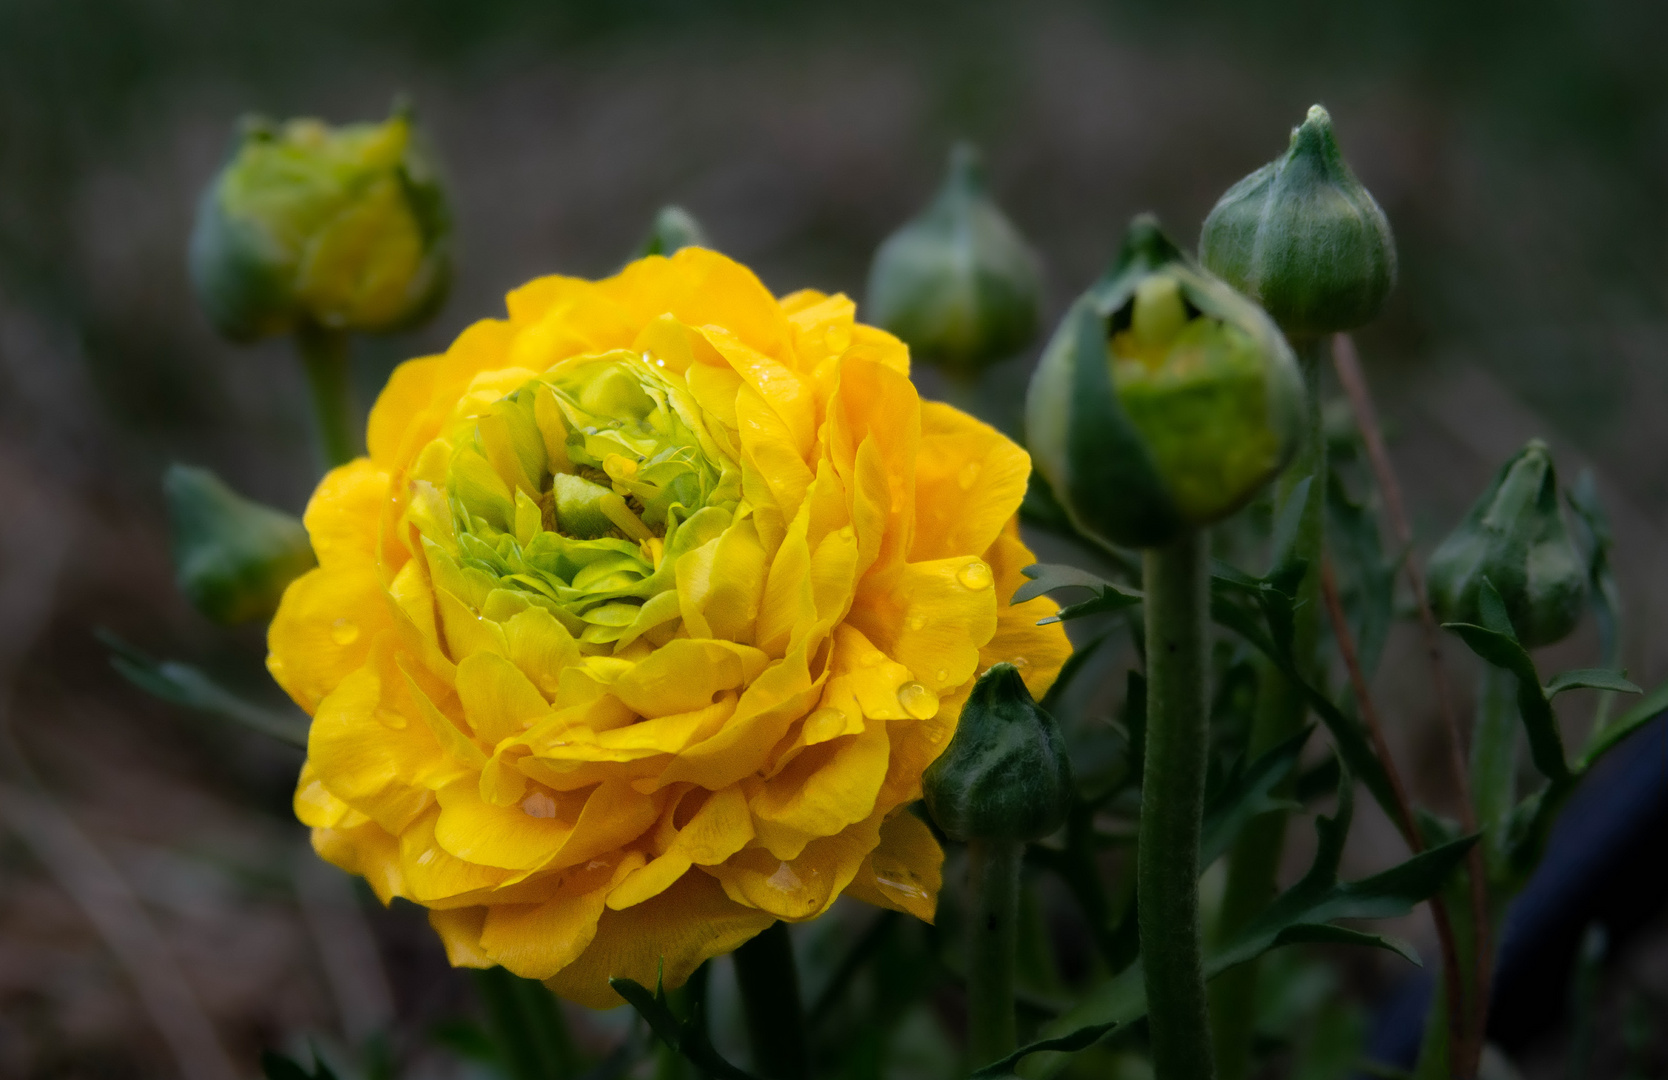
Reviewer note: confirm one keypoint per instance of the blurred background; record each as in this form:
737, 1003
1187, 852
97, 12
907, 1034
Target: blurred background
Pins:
1520, 149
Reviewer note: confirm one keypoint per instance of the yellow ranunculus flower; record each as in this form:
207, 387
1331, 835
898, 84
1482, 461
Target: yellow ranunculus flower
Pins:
639, 624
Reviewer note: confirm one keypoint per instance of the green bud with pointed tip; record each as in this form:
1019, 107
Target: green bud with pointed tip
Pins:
232, 557
1302, 237
344, 228
673, 230
958, 284
1005, 774
1515, 537
1165, 399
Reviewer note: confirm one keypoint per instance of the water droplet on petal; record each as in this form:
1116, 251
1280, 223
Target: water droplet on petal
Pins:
1020, 663
942, 675
343, 632
918, 701
968, 476
916, 622
975, 575
539, 805
785, 879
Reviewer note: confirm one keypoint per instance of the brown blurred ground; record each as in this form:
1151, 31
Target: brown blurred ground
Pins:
1520, 150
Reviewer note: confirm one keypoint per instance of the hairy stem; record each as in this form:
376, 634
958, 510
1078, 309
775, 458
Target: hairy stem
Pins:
1280, 713
770, 999
1172, 809
992, 937
324, 355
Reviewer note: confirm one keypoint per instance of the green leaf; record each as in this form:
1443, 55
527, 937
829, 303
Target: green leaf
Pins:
1590, 679
1369, 588
1617, 731
688, 1037
1498, 645
1303, 914
192, 688
1249, 793
1229, 608
1046, 577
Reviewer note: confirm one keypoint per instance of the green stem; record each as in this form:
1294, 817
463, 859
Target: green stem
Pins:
527, 1026
1172, 809
769, 984
324, 355
1494, 751
1280, 712
992, 939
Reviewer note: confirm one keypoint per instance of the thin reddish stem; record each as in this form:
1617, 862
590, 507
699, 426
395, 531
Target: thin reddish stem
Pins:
1354, 382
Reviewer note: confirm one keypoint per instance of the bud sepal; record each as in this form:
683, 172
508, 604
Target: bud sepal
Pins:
1304, 238
1514, 537
1006, 774
232, 557
958, 284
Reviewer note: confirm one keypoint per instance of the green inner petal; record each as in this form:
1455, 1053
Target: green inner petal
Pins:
580, 491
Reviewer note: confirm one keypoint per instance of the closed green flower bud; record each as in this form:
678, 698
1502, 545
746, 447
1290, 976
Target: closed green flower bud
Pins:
1515, 537
1165, 399
344, 228
673, 230
1302, 237
1005, 774
232, 557
958, 284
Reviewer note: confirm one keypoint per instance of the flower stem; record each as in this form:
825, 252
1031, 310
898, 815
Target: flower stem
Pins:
324, 355
770, 999
1279, 714
1172, 809
992, 937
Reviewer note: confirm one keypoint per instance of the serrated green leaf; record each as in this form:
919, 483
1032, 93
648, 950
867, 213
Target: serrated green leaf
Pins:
1305, 913
1590, 679
1047, 577
688, 1037
1249, 793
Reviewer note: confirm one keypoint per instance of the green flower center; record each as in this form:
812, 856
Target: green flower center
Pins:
578, 493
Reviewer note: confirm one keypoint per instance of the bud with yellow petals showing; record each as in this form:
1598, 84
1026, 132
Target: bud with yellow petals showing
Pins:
1165, 399
345, 229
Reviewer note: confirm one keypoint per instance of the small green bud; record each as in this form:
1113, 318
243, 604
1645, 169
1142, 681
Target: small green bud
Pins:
1302, 237
1165, 399
346, 228
673, 230
958, 284
1515, 537
1005, 774
232, 557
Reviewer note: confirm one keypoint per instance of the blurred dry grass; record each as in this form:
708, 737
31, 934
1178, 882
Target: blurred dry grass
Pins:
1520, 150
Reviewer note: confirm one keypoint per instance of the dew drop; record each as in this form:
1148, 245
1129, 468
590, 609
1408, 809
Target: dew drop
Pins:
968, 476
918, 701
539, 805
343, 632
942, 675
916, 622
975, 575
785, 879
1020, 663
